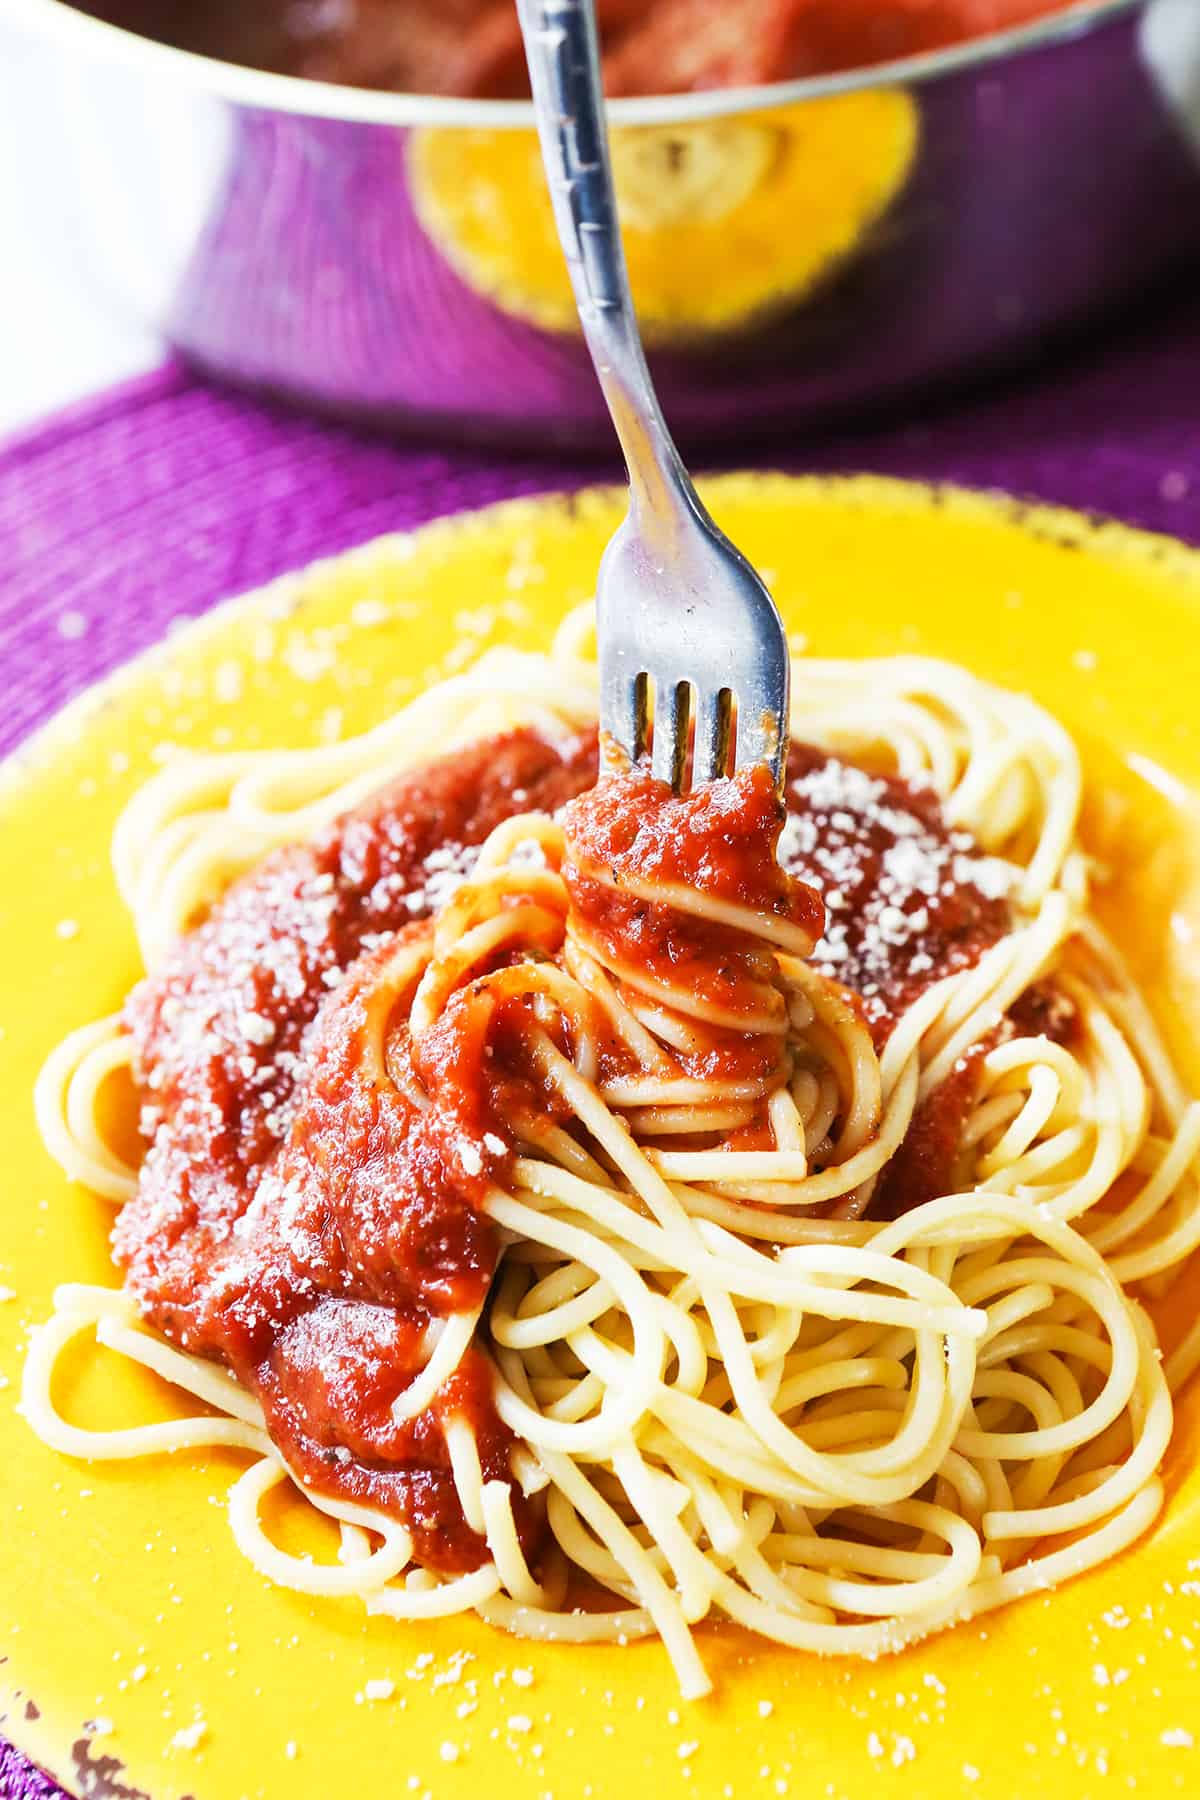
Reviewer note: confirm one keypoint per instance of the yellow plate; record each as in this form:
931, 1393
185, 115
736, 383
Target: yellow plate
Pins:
122, 1597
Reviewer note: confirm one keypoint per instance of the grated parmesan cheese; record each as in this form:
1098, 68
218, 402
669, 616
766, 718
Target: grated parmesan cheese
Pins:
885, 872
189, 1737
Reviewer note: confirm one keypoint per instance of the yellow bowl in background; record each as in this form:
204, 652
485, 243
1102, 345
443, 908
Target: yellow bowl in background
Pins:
124, 1599
725, 220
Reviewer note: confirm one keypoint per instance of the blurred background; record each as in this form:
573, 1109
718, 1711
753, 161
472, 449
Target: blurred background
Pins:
832, 207
59, 339
291, 266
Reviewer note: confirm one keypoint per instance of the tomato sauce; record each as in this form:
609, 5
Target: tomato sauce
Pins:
1044, 1010
928, 1164
473, 47
909, 900
930, 1161
717, 843
297, 1218
306, 1218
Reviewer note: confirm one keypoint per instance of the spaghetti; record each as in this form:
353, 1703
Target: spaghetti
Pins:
611, 1225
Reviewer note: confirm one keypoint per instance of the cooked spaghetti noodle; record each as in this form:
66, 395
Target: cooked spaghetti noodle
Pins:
609, 1233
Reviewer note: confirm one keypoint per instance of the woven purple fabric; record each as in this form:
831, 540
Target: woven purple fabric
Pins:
150, 503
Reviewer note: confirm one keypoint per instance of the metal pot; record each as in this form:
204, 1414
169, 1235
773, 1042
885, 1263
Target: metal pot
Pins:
800, 251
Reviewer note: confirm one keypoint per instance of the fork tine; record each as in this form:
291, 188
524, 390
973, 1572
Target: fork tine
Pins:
671, 710
759, 737
710, 749
624, 713
763, 711
640, 738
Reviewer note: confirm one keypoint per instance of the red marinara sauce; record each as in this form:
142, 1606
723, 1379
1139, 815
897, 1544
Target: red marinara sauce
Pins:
473, 47
642, 866
630, 839
302, 1218
908, 899
298, 1217
929, 1162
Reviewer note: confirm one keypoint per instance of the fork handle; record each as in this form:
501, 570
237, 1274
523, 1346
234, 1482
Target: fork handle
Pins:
562, 48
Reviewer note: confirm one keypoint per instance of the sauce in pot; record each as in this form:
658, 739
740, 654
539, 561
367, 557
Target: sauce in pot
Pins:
473, 47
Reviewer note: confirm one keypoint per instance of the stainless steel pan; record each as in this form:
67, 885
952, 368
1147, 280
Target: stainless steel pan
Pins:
800, 251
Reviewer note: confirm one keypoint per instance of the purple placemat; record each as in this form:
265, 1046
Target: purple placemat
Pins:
148, 504
163, 496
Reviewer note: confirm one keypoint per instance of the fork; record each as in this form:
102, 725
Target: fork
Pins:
681, 617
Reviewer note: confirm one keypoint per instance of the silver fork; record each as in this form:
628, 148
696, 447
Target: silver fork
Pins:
680, 614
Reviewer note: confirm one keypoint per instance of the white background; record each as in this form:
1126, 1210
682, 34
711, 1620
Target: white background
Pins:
57, 340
